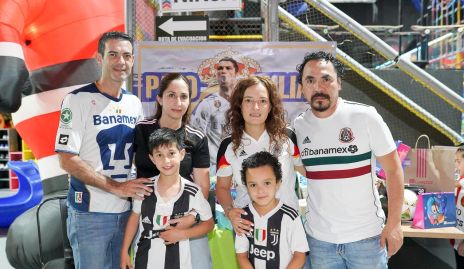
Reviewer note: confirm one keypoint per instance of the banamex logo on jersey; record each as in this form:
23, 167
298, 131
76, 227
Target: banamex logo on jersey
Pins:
329, 151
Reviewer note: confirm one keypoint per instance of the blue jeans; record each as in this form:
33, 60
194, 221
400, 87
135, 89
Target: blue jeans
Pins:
362, 254
96, 238
200, 254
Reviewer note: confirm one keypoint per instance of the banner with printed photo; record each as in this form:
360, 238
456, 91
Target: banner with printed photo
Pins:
198, 62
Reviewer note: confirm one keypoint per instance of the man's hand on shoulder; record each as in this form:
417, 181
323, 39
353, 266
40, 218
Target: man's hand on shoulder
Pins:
136, 188
392, 237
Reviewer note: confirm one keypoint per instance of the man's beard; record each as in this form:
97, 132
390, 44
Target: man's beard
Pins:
318, 105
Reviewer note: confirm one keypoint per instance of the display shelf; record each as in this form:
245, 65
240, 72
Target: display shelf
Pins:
14, 156
8, 144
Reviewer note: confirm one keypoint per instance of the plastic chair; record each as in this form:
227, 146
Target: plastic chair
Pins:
29, 193
67, 261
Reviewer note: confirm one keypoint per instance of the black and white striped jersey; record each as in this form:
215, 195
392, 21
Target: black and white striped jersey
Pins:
151, 252
275, 237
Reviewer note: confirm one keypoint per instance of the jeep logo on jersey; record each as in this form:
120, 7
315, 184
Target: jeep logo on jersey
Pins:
262, 253
63, 140
153, 234
66, 116
161, 220
346, 135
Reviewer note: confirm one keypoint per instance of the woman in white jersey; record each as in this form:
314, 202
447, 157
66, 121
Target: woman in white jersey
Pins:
255, 122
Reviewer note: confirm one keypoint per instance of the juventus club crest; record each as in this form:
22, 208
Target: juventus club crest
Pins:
274, 236
346, 135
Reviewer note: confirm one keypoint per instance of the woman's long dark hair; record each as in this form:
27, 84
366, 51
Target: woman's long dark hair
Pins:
164, 84
275, 121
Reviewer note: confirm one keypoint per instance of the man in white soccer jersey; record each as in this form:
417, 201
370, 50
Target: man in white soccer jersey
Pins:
278, 238
339, 143
209, 115
94, 145
161, 244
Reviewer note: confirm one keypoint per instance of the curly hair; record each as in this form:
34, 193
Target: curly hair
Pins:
260, 159
321, 55
164, 84
275, 122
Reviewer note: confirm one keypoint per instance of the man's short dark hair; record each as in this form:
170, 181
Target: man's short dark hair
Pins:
232, 60
460, 151
112, 35
321, 55
260, 159
164, 137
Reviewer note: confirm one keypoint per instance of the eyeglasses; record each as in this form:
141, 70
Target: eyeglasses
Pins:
251, 102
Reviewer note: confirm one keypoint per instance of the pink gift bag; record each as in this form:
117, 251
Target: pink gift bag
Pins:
435, 210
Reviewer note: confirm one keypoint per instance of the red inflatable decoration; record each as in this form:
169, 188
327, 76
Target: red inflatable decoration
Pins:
47, 49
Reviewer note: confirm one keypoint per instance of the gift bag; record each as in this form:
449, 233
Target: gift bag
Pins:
402, 150
430, 168
221, 244
435, 210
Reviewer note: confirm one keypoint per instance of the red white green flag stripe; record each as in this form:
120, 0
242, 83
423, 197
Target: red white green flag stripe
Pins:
260, 234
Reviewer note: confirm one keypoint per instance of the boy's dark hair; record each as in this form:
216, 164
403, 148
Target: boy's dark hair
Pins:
260, 159
232, 60
321, 55
163, 137
112, 35
460, 150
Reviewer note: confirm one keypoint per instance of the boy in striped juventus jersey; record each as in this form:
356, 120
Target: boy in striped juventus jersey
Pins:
161, 245
278, 239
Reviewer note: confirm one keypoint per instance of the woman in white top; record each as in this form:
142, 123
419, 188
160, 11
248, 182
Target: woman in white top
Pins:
255, 122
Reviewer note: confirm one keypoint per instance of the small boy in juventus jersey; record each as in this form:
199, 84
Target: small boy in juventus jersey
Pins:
278, 239
161, 245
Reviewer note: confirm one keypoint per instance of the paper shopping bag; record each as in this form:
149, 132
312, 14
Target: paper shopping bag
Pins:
431, 168
435, 210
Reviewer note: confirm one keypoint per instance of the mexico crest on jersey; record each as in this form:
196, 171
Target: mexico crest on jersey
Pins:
346, 135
